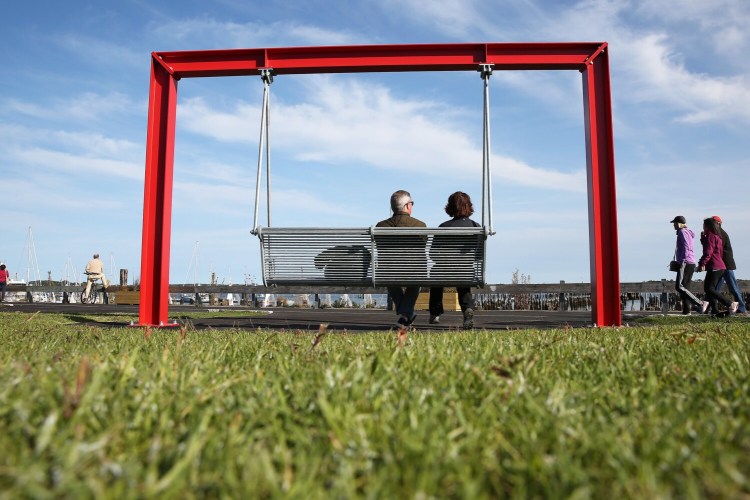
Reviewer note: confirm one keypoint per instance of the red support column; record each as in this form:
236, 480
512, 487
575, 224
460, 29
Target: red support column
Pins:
157, 196
600, 159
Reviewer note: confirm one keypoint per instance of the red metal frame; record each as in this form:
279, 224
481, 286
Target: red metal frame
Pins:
590, 59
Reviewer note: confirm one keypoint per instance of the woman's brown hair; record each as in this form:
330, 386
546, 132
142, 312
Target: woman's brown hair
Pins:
459, 205
711, 225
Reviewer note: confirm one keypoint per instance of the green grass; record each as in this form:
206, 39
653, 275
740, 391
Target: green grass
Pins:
639, 412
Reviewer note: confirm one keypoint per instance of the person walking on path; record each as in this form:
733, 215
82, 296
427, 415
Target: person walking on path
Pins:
729, 277
404, 298
711, 261
460, 209
4, 278
685, 258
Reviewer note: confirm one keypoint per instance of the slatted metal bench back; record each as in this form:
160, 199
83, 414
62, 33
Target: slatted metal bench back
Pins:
373, 256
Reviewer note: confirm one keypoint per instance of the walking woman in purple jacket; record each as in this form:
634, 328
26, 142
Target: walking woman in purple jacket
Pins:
683, 254
711, 261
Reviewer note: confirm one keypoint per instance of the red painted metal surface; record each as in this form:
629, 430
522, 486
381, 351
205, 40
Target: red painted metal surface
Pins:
157, 198
600, 161
589, 58
373, 58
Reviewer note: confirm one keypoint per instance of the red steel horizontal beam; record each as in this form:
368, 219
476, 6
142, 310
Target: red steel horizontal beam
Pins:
379, 58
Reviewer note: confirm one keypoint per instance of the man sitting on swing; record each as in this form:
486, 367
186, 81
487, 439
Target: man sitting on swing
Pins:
404, 298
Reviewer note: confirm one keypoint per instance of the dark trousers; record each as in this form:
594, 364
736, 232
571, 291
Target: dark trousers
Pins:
709, 287
682, 282
465, 299
404, 299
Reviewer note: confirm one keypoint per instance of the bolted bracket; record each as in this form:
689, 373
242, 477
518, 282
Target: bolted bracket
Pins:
485, 70
266, 74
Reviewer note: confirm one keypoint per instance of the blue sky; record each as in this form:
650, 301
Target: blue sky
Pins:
73, 110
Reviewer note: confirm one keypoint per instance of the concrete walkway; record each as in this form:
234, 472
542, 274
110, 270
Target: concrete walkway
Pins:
337, 319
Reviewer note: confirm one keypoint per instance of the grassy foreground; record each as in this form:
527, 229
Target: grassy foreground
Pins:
639, 412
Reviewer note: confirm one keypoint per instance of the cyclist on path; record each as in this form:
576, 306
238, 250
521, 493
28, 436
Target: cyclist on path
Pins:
95, 271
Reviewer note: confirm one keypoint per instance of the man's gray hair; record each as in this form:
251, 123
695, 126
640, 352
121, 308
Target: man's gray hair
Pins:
399, 199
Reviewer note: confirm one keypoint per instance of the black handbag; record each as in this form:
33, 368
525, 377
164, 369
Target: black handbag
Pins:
675, 266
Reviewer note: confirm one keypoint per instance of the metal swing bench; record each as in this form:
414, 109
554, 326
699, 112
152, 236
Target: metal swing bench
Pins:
372, 256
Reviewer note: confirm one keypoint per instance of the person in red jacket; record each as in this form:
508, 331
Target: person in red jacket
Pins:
712, 262
729, 277
4, 277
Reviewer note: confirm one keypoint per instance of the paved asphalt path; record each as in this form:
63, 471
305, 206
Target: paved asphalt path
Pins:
290, 318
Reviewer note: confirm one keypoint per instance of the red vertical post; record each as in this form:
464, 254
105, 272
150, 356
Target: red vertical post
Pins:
157, 196
600, 163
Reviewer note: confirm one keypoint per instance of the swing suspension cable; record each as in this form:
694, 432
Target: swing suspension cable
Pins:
485, 71
266, 76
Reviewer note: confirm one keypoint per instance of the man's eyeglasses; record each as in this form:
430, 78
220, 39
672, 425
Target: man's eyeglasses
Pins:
410, 203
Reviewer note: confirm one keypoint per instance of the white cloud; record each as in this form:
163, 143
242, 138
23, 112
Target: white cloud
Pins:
723, 22
101, 52
658, 76
214, 197
76, 164
646, 62
307, 201
457, 18
98, 144
53, 193
239, 125
86, 107
227, 34
71, 152
353, 122
559, 91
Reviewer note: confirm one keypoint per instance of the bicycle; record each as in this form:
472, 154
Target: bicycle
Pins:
93, 295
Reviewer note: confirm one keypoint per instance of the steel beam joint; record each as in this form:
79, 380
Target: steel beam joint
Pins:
267, 74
